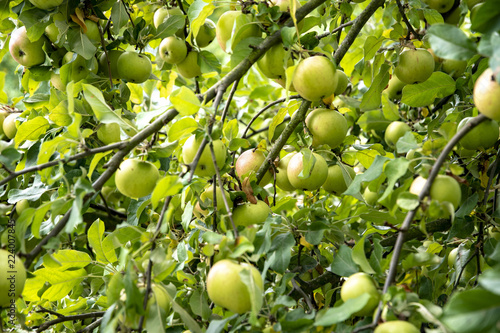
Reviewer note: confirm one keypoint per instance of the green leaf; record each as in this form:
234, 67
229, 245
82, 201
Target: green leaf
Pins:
104, 249
64, 259
197, 13
432, 16
80, 43
487, 17
359, 256
342, 264
31, 130
281, 252
408, 201
167, 186
490, 280
119, 16
373, 172
472, 311
372, 44
439, 85
181, 128
208, 62
450, 42
62, 282
343, 312
373, 97
199, 304
185, 101
169, 27
406, 143
217, 326
394, 169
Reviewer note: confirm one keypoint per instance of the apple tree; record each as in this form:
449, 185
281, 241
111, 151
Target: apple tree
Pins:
261, 166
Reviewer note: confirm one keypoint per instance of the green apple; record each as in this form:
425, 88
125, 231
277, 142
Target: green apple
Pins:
443, 189
136, 179
454, 16
189, 67
109, 133
79, 67
441, 6
46, 4
226, 288
395, 88
316, 177
9, 125
235, 26
484, 135
396, 326
13, 278
370, 196
56, 81
272, 64
162, 14
205, 167
282, 180
113, 56
454, 67
93, 31
342, 82
360, 284
25, 52
52, 32
134, 67
335, 182
472, 3
394, 132
487, 95
452, 257
248, 163
207, 197
415, 66
206, 34
327, 127
314, 78
21, 206
3, 115
285, 5
173, 50
249, 213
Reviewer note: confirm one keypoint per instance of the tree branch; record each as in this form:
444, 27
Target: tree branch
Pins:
298, 117
358, 24
411, 214
62, 319
405, 20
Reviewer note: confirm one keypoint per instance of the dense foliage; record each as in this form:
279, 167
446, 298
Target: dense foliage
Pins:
288, 145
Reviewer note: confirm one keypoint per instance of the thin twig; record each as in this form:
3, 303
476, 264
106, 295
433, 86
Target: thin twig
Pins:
405, 20
337, 29
229, 99
62, 319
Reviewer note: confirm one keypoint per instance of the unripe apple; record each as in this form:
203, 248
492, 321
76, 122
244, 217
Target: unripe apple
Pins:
205, 167
414, 66
13, 278
394, 132
46, 4
3, 115
342, 82
359, 284
109, 133
370, 197
9, 125
136, 179
395, 88
113, 56
235, 26
272, 64
396, 326
79, 68
52, 32
189, 67
172, 50
314, 180
249, 213
21, 206
226, 288
454, 16
452, 257
24, 51
443, 189
335, 182
326, 127
282, 180
93, 31
441, 6
454, 67
134, 67
208, 194
56, 81
315, 78
487, 95
484, 135
206, 34
248, 163
162, 14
